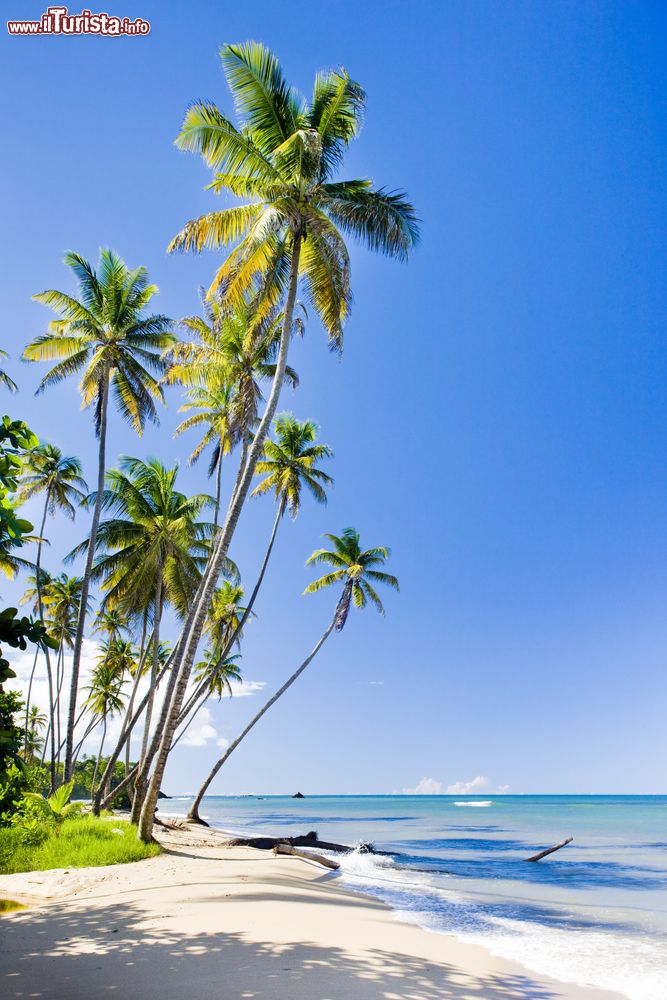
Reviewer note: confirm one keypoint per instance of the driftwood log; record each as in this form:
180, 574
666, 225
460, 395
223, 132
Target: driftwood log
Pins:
321, 860
306, 840
550, 850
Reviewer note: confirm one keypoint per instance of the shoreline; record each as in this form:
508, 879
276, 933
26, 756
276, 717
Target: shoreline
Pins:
181, 922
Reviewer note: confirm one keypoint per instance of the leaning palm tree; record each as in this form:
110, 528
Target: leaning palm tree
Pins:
357, 571
283, 159
5, 380
105, 337
215, 676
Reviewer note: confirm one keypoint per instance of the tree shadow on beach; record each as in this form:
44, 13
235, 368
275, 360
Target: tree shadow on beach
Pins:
123, 952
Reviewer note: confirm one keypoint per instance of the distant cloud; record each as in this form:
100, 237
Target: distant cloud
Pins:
222, 743
427, 786
468, 787
201, 731
502, 789
376, 683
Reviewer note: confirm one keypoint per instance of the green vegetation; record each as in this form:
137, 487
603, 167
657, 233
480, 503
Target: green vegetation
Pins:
82, 842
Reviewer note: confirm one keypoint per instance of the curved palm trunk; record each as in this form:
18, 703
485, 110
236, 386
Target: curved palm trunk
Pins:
193, 813
237, 630
195, 623
85, 586
124, 737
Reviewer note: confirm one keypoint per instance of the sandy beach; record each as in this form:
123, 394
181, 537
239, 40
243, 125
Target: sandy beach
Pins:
206, 920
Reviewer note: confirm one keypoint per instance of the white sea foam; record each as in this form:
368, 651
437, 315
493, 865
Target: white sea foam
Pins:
479, 805
603, 959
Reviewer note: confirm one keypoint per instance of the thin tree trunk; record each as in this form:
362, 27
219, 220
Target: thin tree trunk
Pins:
49, 672
99, 757
193, 813
194, 625
125, 735
28, 696
154, 665
85, 585
201, 690
218, 484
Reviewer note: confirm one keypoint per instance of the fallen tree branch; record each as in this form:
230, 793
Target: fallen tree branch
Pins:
307, 840
550, 850
321, 860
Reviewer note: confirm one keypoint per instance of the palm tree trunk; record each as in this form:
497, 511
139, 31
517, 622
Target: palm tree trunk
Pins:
154, 665
85, 585
238, 629
28, 696
195, 622
99, 757
49, 672
218, 484
193, 813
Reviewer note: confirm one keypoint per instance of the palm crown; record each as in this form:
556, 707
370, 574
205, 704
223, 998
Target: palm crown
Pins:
283, 156
289, 463
104, 337
58, 476
154, 534
355, 569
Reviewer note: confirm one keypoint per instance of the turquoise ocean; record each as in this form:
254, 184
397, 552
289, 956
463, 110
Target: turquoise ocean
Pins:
593, 913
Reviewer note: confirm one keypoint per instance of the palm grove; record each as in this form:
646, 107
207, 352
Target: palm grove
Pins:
150, 547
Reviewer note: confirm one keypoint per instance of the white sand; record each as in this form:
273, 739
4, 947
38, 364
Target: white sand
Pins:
206, 921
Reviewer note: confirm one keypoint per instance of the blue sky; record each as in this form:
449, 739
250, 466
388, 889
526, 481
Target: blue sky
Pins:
498, 417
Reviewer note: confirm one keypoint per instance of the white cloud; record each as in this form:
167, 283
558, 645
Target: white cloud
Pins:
427, 786
468, 787
201, 731
222, 743
247, 688
502, 790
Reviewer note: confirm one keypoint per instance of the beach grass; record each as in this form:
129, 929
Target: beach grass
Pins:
84, 841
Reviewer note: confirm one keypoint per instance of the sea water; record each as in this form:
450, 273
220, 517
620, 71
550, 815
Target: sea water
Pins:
594, 912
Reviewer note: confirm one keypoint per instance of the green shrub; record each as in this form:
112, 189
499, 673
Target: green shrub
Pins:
83, 841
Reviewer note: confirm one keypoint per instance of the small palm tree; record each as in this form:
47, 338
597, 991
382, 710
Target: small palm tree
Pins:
214, 412
5, 380
105, 337
105, 698
35, 725
57, 807
213, 676
357, 571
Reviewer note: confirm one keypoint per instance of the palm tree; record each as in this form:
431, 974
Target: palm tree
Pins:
105, 697
105, 337
357, 571
5, 380
234, 353
34, 740
283, 157
59, 478
214, 676
62, 599
213, 411
288, 466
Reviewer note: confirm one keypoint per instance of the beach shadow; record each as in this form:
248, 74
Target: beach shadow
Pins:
124, 954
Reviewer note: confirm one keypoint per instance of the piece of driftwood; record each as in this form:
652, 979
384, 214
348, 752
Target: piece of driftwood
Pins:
321, 860
305, 840
550, 850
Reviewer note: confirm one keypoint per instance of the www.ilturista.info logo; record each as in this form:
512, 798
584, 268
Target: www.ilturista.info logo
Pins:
58, 21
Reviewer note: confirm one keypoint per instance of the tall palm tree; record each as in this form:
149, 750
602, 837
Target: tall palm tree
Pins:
357, 571
62, 599
105, 337
5, 380
283, 157
33, 733
59, 479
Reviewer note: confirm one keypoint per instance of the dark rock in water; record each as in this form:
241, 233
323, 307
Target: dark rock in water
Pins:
161, 795
298, 796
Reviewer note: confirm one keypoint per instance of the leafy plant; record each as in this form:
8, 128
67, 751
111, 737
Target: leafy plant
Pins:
57, 807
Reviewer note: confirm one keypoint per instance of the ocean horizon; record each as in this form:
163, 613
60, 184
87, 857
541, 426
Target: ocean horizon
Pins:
594, 912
